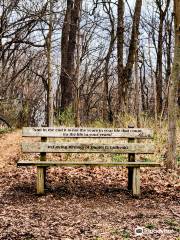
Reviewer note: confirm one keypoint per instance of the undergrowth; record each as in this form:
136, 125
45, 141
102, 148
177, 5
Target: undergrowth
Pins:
160, 133
5, 130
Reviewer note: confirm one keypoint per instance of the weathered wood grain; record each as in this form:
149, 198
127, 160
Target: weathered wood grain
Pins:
85, 164
136, 181
70, 132
57, 147
40, 179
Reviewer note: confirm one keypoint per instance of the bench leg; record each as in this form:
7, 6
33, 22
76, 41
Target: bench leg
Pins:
40, 180
136, 181
130, 178
45, 176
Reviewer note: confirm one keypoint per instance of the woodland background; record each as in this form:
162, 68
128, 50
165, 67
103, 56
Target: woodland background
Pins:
80, 62
107, 58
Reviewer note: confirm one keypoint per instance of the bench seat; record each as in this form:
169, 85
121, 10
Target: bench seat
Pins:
79, 164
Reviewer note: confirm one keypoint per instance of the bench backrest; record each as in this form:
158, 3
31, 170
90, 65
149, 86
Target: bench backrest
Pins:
70, 132
73, 147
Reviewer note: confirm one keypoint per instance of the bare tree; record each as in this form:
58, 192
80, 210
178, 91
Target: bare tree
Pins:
175, 79
120, 49
68, 47
125, 78
50, 99
159, 65
107, 110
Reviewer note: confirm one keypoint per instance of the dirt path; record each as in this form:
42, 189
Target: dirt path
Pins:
9, 148
84, 203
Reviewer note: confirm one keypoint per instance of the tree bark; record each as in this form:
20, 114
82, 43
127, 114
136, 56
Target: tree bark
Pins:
77, 75
49, 63
124, 78
107, 113
65, 81
120, 49
137, 95
159, 64
175, 79
68, 46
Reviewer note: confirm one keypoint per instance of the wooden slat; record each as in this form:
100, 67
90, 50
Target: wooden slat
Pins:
58, 147
85, 164
70, 132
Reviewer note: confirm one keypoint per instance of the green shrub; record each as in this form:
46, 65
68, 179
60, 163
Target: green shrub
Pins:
67, 117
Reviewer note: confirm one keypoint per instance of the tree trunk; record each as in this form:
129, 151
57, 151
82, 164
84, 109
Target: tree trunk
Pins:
125, 77
120, 48
65, 81
153, 80
137, 95
77, 76
50, 84
175, 79
159, 64
107, 114
68, 46
105, 91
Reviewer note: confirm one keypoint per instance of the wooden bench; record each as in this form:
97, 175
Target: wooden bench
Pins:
131, 148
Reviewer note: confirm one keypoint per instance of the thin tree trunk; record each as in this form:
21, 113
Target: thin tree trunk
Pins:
159, 64
153, 83
106, 100
49, 63
77, 80
105, 92
120, 49
137, 98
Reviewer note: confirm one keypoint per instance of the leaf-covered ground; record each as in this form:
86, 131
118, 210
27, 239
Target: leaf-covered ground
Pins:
84, 203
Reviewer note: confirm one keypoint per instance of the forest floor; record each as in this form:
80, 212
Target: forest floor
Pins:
91, 203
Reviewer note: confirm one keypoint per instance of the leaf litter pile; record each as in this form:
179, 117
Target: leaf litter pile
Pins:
84, 203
